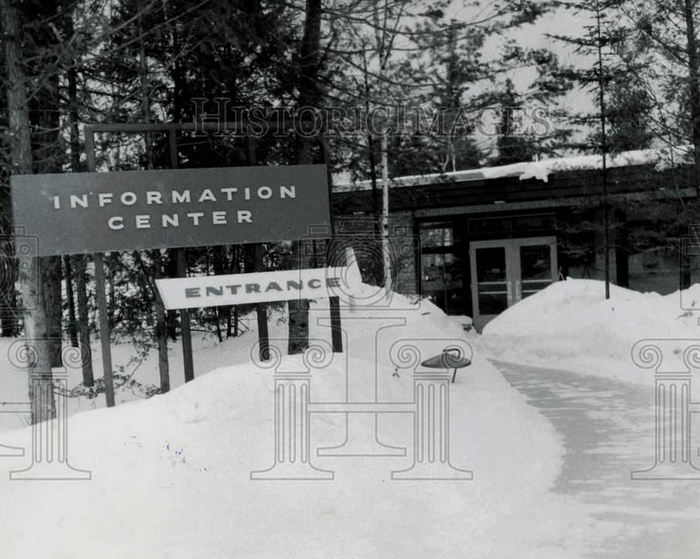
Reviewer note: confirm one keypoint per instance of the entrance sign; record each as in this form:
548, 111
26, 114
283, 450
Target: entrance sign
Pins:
263, 287
74, 213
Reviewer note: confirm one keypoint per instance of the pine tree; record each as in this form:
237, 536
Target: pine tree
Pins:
464, 84
513, 144
627, 101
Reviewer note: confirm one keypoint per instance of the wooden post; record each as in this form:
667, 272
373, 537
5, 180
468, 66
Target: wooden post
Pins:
90, 148
336, 332
181, 256
263, 335
161, 333
72, 320
260, 308
261, 312
185, 332
104, 329
172, 144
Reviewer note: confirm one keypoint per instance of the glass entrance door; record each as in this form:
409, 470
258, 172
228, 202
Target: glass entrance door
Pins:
536, 263
506, 271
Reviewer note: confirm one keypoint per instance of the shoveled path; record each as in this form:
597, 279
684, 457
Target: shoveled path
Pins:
607, 430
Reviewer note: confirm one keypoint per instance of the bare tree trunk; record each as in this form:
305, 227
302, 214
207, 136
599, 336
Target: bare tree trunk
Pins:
694, 92
84, 320
8, 269
111, 293
309, 96
80, 268
30, 268
8, 298
161, 331
53, 303
171, 316
219, 262
235, 268
161, 328
217, 325
694, 82
44, 110
72, 321
177, 75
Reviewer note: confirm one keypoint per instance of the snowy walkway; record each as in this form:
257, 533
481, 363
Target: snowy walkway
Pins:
607, 430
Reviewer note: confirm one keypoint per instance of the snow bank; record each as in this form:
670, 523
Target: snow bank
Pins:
571, 326
171, 474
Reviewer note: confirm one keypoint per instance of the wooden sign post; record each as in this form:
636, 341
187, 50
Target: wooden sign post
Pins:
104, 329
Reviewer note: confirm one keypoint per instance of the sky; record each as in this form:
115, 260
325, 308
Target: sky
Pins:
560, 21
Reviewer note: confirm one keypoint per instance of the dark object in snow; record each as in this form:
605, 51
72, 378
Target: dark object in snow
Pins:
450, 358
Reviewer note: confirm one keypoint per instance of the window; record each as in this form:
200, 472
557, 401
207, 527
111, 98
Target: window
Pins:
443, 281
434, 235
442, 268
511, 225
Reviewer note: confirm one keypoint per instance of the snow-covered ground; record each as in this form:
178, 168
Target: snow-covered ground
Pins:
545, 418
171, 474
571, 326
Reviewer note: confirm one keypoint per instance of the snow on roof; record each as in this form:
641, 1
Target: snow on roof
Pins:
526, 170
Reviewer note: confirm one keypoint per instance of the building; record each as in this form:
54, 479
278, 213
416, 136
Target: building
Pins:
476, 242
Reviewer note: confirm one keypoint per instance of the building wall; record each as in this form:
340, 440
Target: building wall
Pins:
405, 251
567, 206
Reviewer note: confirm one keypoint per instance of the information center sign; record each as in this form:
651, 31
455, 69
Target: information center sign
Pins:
73, 213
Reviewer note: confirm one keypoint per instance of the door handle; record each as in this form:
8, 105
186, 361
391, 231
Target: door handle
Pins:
518, 291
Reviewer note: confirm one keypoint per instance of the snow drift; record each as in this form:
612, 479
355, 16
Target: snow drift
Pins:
171, 474
571, 326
